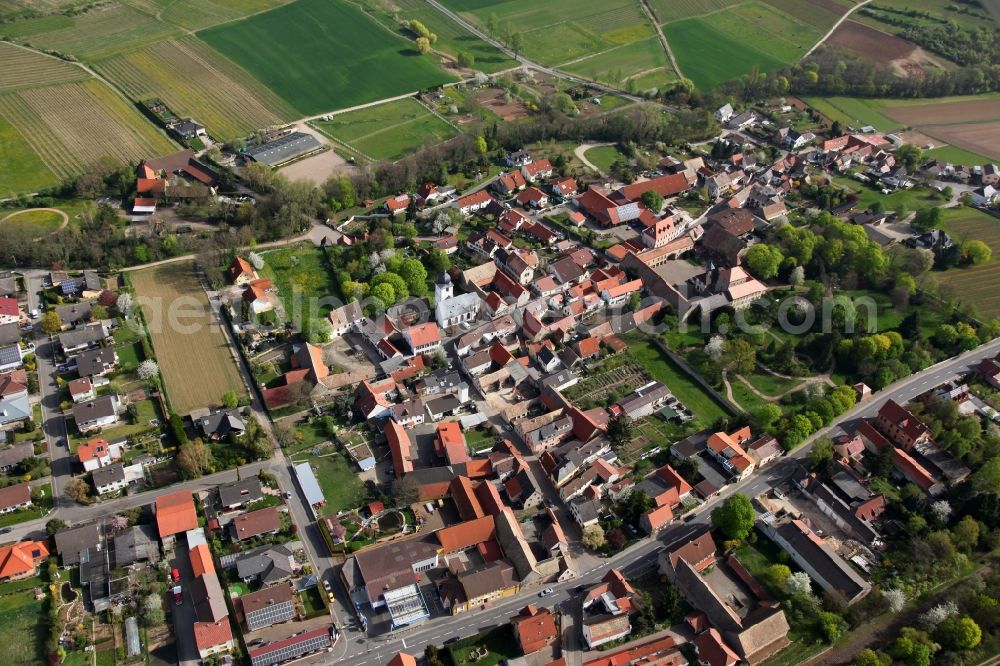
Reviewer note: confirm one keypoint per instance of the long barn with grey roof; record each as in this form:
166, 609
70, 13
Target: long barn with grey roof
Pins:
284, 149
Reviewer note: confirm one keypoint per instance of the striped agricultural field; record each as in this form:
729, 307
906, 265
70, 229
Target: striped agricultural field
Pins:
74, 125
195, 81
20, 68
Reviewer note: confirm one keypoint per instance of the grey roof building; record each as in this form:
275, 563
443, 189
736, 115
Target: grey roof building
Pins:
74, 313
222, 424
10, 334
108, 479
12, 455
269, 564
270, 605
71, 542
284, 149
240, 493
82, 337
10, 356
136, 544
95, 361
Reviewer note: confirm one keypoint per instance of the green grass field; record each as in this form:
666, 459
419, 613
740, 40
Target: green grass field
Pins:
812, 13
301, 277
21, 170
35, 223
603, 156
197, 14
644, 61
452, 38
673, 10
194, 81
556, 32
911, 199
320, 55
657, 364
708, 55
94, 34
853, 111
340, 484
22, 630
975, 285
957, 155
388, 131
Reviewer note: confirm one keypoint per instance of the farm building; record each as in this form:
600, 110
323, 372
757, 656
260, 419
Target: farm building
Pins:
284, 149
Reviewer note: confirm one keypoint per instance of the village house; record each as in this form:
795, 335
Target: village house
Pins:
21, 560
727, 449
14, 498
268, 606
94, 454
97, 413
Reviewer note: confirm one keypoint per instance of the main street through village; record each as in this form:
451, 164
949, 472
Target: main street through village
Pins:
355, 646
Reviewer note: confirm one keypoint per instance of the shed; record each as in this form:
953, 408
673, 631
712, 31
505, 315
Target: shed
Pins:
309, 485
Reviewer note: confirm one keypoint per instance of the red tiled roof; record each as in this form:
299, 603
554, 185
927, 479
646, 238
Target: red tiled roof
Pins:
466, 534
673, 479
424, 334
175, 513
402, 659
399, 446
665, 186
464, 497
476, 198
535, 628
76, 387
8, 306
14, 495
20, 558
659, 516
397, 203
95, 448
452, 442
713, 651
537, 167
210, 634
489, 498
255, 523
201, 560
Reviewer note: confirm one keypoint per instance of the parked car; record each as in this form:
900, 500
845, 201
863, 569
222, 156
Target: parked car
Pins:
546, 592
326, 585
175, 575
7, 530
178, 595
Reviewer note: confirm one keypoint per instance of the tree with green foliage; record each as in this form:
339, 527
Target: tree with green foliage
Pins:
619, 430
976, 252
230, 399
767, 415
763, 260
406, 491
177, 429
51, 323
652, 200
821, 454
739, 356
987, 478
54, 525
909, 155
423, 45
735, 517
398, 284
317, 330
466, 59
481, 146
593, 537
929, 217
832, 625
415, 275
959, 633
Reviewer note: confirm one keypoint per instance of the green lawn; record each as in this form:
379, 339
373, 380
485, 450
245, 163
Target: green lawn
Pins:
957, 155
36, 223
388, 131
21, 170
478, 440
612, 65
312, 602
36, 511
555, 31
723, 46
339, 482
22, 630
912, 199
975, 285
604, 156
853, 111
499, 642
13, 587
308, 435
320, 55
663, 369
770, 385
453, 39
301, 277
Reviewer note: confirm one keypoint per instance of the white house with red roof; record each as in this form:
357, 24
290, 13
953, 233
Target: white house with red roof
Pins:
397, 204
94, 454
423, 338
10, 313
539, 169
